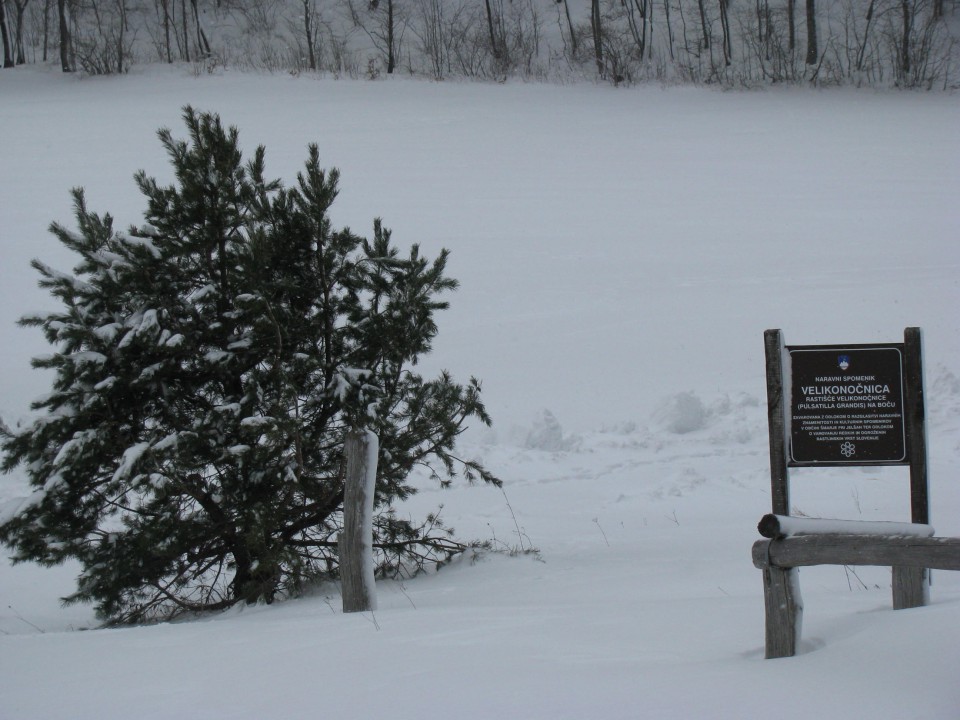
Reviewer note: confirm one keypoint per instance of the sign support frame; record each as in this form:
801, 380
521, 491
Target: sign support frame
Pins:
778, 407
911, 579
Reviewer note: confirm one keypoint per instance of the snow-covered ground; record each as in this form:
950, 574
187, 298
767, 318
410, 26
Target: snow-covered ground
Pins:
620, 253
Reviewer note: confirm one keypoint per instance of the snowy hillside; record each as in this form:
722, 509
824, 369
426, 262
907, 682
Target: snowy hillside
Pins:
620, 255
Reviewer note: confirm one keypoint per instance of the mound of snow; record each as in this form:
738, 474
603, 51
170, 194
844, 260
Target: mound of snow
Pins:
547, 434
680, 414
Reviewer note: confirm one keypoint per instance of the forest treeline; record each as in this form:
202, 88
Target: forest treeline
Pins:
879, 43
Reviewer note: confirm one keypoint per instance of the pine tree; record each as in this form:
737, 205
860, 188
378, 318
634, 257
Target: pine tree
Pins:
207, 366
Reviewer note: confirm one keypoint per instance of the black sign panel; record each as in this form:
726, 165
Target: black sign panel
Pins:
846, 405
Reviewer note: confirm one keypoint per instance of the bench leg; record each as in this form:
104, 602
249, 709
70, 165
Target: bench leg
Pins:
784, 611
910, 587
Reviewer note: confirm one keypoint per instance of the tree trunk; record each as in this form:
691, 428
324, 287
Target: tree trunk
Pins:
165, 6
7, 55
66, 41
391, 39
573, 33
758, 9
905, 40
666, 12
648, 23
308, 31
203, 44
862, 49
21, 8
186, 32
639, 32
791, 25
596, 27
725, 26
122, 9
490, 33
46, 28
704, 25
812, 52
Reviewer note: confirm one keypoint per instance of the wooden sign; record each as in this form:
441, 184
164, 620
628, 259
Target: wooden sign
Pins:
846, 405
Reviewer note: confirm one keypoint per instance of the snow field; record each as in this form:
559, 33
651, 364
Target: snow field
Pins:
620, 254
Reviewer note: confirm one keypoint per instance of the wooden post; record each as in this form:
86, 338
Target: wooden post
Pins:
910, 587
916, 424
360, 451
783, 607
781, 586
776, 423
911, 584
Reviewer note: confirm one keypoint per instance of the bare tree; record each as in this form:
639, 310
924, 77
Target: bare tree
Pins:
792, 25
573, 33
7, 54
703, 24
904, 42
384, 23
862, 44
309, 31
907, 15
495, 28
812, 52
921, 43
202, 43
20, 7
432, 33
393, 38
725, 27
185, 48
639, 30
66, 38
120, 36
597, 29
762, 16
167, 22
666, 12
103, 46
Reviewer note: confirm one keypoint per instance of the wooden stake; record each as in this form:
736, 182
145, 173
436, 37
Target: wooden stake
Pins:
360, 450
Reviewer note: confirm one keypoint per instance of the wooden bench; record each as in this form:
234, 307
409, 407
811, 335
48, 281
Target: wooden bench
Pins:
909, 548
